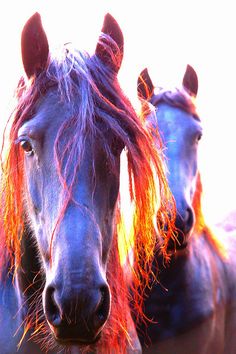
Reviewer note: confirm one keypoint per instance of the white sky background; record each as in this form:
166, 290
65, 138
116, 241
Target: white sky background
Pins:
164, 36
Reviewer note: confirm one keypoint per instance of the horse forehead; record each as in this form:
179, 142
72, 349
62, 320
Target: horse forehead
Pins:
50, 112
54, 108
175, 119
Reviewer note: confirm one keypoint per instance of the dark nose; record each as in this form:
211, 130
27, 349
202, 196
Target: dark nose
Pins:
184, 221
79, 316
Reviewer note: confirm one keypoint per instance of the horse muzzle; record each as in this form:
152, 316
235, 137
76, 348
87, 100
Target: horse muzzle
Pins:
184, 224
77, 318
184, 221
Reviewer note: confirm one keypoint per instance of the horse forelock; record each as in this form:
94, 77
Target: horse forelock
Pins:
178, 98
101, 104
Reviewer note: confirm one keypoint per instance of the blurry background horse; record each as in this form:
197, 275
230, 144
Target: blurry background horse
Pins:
62, 283
192, 306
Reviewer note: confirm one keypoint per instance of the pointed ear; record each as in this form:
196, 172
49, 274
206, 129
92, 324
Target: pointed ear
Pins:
190, 81
145, 86
111, 53
34, 46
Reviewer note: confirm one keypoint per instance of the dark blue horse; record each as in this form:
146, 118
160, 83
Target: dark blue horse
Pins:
192, 306
62, 283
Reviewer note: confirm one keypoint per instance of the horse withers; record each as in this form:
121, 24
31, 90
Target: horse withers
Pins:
60, 200
192, 306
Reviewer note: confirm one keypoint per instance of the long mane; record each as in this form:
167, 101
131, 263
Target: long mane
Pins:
101, 104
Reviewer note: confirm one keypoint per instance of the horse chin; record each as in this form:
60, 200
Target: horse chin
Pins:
70, 336
79, 342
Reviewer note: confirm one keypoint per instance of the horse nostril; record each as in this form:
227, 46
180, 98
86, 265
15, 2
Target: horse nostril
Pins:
51, 307
103, 308
184, 223
189, 219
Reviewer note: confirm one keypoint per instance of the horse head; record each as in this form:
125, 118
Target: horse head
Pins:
61, 179
180, 129
71, 189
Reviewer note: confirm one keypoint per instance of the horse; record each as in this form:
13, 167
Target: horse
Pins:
191, 307
63, 288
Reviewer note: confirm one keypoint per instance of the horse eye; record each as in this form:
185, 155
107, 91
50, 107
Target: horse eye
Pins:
27, 147
199, 136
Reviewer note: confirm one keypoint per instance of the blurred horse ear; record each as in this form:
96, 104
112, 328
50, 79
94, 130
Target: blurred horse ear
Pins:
145, 86
190, 81
111, 53
34, 46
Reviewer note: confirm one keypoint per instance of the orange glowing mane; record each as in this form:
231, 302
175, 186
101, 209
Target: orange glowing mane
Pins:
144, 163
200, 227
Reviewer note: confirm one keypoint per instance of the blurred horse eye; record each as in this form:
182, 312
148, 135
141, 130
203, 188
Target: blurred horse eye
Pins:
199, 137
27, 147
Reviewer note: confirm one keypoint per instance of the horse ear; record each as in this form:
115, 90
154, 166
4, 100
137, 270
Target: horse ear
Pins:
190, 81
111, 53
145, 86
34, 46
